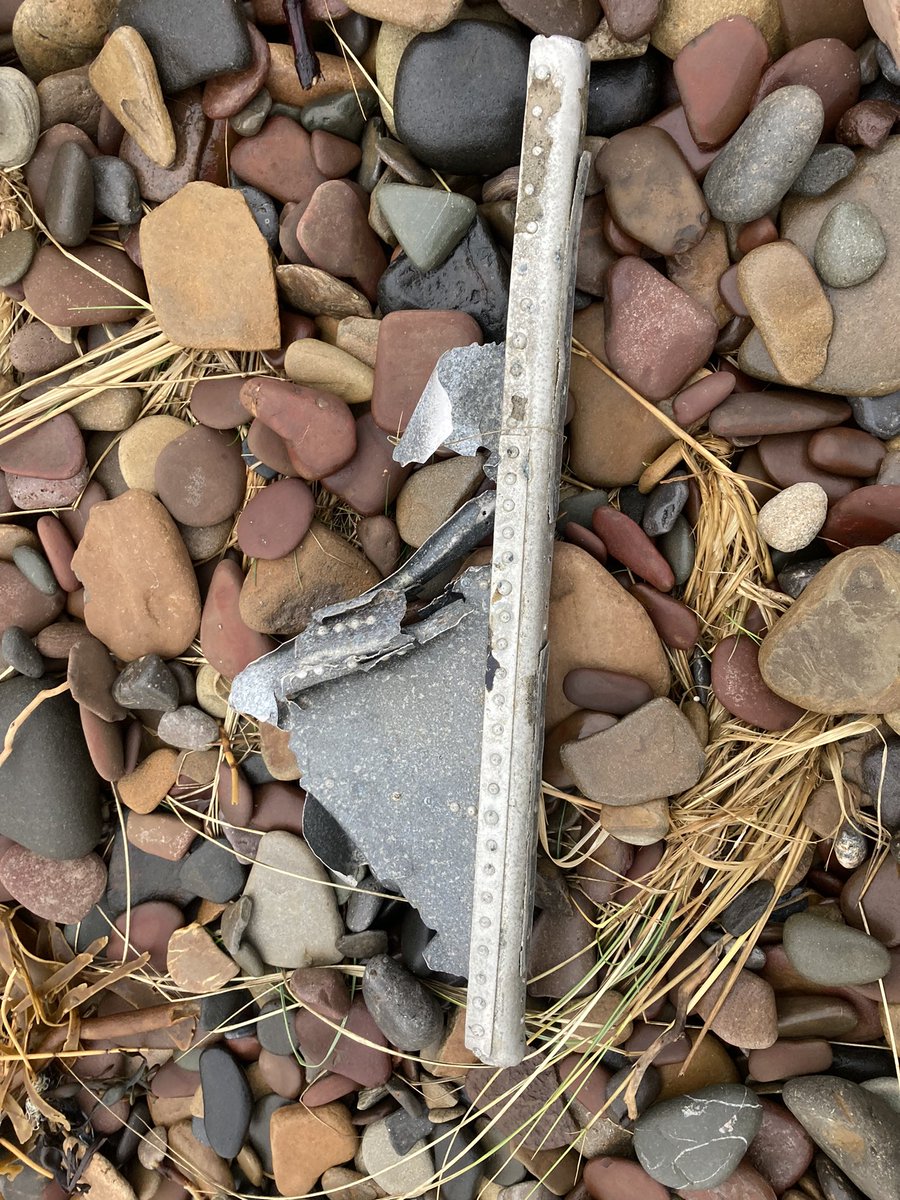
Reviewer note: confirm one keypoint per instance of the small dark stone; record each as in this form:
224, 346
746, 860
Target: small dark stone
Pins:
258, 1133
70, 195
834, 1183
20, 652
678, 549
632, 503
881, 779
889, 68
116, 192
794, 577
878, 415
746, 908
405, 1011
213, 872
623, 92
363, 906
16, 253
149, 877
459, 97
275, 1029
701, 673
859, 1063
415, 937
647, 1091
579, 508
664, 504
49, 765
147, 683
404, 1130
190, 40
458, 1164
264, 212
474, 279
344, 113
232, 1011
329, 842
227, 1102
826, 166
363, 945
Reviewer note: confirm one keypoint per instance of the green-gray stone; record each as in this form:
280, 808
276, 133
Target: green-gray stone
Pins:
850, 247
429, 222
344, 113
696, 1141
828, 952
36, 569
252, 116
827, 165
16, 252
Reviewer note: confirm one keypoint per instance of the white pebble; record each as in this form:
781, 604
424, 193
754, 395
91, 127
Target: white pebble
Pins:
790, 520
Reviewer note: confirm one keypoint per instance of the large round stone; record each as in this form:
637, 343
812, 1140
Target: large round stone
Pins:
459, 97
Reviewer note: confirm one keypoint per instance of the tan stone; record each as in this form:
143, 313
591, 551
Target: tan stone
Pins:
602, 44
109, 411
637, 824
862, 354
746, 1017
212, 692
612, 436
893, 719
165, 835
56, 35
166, 1110
336, 74
594, 622
558, 1172
104, 1182
141, 445
318, 365
789, 307
200, 1163
141, 594
392, 40
196, 963
697, 271
343, 1183
209, 271
681, 20
884, 17
422, 16
709, 1064
124, 77
359, 337
277, 755
453, 1058
316, 292
822, 811
280, 594
837, 648
306, 1142
433, 494
12, 536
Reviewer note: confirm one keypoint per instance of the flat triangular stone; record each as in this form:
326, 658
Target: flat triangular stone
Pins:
429, 223
837, 648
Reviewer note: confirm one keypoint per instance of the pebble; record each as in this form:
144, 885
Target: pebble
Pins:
651, 752
742, 690
750, 414
124, 77
717, 74
406, 1012
209, 271
227, 94
250, 119
832, 651
212, 871
833, 954
276, 519
627, 542
147, 683
141, 589
305, 1142
827, 65
21, 118
676, 624
826, 166
371, 479
850, 246
623, 93
427, 222
50, 764
697, 1140
766, 154
606, 691
17, 250
91, 674
878, 415
656, 335
196, 963
316, 364
867, 124
845, 1120
84, 287
790, 309
200, 477
63, 890
335, 235
432, 494
295, 921
318, 293
227, 643
846, 452
790, 520
163, 834
459, 94
278, 160
473, 280
69, 210
644, 162
52, 450
20, 652
36, 570
227, 1102
188, 728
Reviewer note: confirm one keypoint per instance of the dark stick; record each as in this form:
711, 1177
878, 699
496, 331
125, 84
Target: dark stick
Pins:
304, 55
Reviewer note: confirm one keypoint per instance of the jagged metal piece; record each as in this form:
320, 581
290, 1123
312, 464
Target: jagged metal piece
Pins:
459, 408
354, 635
393, 754
552, 180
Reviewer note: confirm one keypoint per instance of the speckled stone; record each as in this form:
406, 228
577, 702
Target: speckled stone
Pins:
790, 520
850, 247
